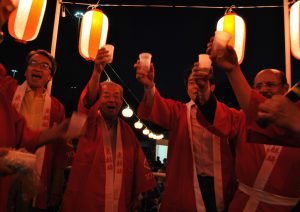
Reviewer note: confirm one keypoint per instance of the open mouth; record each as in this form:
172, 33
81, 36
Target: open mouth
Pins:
111, 107
36, 76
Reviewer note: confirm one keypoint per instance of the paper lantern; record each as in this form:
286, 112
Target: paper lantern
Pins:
294, 29
234, 25
24, 23
93, 33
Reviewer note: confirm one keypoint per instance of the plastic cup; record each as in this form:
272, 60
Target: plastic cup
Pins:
110, 48
145, 60
204, 61
221, 40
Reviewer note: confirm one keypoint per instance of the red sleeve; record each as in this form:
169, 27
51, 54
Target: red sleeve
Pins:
164, 112
143, 177
26, 137
7, 83
3, 71
92, 113
64, 154
83, 107
228, 121
63, 149
82, 102
14, 132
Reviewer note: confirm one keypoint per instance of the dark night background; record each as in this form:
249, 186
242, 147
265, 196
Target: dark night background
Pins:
174, 36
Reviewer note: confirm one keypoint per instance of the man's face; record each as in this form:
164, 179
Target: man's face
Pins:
268, 83
201, 86
38, 71
110, 101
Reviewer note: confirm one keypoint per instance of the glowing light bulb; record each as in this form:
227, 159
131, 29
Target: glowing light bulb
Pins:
161, 136
146, 131
127, 112
138, 125
150, 135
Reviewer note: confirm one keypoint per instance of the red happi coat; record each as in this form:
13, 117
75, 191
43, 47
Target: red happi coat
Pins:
182, 192
58, 154
13, 134
284, 178
86, 185
271, 134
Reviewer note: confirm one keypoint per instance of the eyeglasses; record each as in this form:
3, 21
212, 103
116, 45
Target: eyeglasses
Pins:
266, 84
44, 66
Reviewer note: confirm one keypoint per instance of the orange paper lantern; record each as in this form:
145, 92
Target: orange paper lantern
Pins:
234, 25
294, 29
93, 33
24, 23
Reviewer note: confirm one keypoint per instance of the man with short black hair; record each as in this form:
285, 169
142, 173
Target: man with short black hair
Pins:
42, 111
197, 157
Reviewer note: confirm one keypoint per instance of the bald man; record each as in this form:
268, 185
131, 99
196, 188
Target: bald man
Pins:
262, 170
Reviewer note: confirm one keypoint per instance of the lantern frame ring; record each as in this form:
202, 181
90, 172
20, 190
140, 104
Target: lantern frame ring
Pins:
92, 6
229, 9
292, 1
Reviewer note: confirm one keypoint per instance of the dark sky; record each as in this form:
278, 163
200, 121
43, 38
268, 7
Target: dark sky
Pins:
175, 36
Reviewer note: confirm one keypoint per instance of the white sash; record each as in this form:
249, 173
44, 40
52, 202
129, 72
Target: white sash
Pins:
272, 154
45, 122
263, 196
113, 175
218, 182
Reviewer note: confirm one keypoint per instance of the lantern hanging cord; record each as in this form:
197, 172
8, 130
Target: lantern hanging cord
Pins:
124, 84
229, 9
169, 6
93, 6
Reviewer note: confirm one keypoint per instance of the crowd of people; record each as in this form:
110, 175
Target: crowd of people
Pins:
219, 158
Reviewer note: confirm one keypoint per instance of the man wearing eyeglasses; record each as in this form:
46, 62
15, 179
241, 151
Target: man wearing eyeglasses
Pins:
268, 175
197, 157
269, 82
42, 111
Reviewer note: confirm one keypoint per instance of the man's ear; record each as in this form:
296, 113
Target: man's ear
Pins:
212, 87
286, 87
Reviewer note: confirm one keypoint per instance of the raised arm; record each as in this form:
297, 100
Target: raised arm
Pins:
101, 60
205, 100
226, 60
146, 78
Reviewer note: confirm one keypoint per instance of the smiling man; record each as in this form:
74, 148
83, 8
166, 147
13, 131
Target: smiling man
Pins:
42, 111
199, 158
110, 170
268, 175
